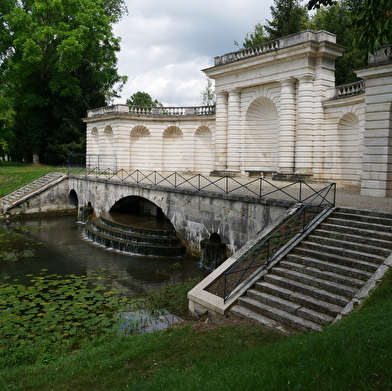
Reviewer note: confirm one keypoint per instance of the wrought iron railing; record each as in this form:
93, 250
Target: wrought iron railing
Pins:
298, 191
261, 256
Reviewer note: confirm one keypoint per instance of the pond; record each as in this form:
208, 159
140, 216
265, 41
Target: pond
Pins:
52, 245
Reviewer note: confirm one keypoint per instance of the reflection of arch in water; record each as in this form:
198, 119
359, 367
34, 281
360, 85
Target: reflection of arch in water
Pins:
140, 148
261, 135
172, 149
203, 151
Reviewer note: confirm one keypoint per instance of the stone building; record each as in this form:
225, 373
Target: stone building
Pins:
278, 113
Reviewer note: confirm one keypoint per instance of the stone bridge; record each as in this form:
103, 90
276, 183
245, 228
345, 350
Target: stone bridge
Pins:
195, 214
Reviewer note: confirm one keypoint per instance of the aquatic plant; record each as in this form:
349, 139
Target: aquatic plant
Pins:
55, 308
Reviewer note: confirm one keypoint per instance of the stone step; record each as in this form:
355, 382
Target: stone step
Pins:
297, 286
288, 306
327, 275
279, 315
321, 283
384, 219
344, 236
139, 236
360, 274
339, 259
304, 300
246, 313
364, 232
348, 245
139, 249
349, 224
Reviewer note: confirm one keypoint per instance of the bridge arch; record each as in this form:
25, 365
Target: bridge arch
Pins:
138, 206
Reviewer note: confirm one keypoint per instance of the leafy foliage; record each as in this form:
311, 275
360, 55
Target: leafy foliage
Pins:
337, 19
208, 95
143, 99
57, 59
371, 21
289, 17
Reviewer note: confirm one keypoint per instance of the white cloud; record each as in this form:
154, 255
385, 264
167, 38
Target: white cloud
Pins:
166, 43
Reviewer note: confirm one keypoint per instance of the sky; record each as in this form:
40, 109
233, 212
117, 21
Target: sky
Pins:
165, 44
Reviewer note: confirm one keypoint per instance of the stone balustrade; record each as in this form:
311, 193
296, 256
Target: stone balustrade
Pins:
383, 55
274, 45
351, 89
152, 111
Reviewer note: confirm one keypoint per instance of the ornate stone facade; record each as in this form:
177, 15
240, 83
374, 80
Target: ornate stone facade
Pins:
277, 111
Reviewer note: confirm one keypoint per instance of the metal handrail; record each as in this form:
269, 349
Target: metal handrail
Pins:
199, 183
277, 242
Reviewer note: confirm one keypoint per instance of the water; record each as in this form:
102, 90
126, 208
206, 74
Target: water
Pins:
60, 250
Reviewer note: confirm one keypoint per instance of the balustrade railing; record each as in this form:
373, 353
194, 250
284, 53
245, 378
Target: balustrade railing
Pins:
260, 257
351, 89
384, 54
151, 111
298, 191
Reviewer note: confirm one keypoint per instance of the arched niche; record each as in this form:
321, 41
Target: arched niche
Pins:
261, 136
107, 155
172, 149
349, 156
140, 157
203, 151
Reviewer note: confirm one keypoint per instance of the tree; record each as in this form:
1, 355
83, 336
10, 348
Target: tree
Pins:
57, 59
143, 99
208, 95
289, 17
337, 19
371, 21
256, 37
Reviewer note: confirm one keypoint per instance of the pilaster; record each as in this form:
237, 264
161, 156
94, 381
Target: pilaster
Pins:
221, 131
287, 127
305, 118
234, 131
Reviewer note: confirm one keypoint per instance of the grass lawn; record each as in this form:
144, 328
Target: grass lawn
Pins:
355, 354
15, 175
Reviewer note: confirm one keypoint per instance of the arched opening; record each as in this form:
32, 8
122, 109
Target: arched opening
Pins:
203, 151
134, 205
73, 198
140, 148
261, 136
213, 251
348, 156
107, 155
136, 226
172, 149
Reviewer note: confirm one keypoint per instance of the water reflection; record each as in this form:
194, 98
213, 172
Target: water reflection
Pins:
63, 252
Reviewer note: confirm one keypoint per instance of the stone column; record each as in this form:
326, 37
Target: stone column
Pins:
304, 136
287, 127
377, 143
234, 131
221, 132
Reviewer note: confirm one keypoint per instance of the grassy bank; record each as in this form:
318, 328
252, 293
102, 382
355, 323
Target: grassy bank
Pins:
15, 175
355, 354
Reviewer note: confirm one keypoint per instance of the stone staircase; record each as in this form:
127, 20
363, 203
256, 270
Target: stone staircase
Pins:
318, 278
23, 193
